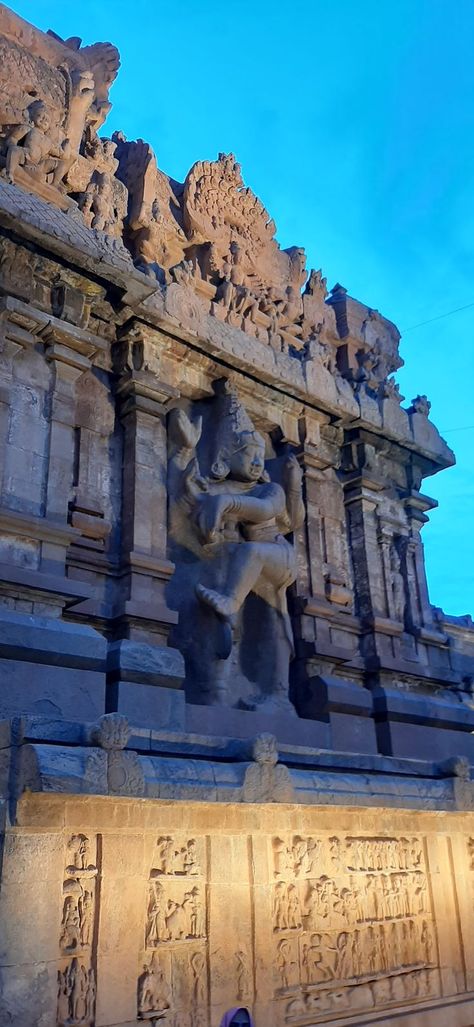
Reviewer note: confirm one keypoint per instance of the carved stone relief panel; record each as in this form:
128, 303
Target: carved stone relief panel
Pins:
352, 925
77, 970
175, 962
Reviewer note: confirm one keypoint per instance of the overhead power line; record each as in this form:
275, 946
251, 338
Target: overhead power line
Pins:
437, 318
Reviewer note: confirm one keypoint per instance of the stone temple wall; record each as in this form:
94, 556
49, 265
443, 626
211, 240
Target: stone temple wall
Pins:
237, 739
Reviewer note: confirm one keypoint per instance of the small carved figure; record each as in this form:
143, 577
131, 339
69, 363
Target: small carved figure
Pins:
294, 914
320, 971
420, 405
70, 926
280, 857
198, 965
30, 146
426, 942
153, 991
196, 919
91, 995
191, 862
342, 965
64, 996
280, 907
183, 273
178, 919
266, 780
157, 928
165, 854
397, 585
285, 963
80, 846
234, 292
243, 974
86, 908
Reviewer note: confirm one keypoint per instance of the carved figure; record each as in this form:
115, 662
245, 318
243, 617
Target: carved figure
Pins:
420, 405
165, 854
191, 862
342, 951
85, 908
104, 202
80, 846
76, 995
320, 971
285, 963
237, 518
198, 965
157, 928
266, 780
234, 292
154, 994
397, 585
243, 974
31, 147
70, 926
280, 907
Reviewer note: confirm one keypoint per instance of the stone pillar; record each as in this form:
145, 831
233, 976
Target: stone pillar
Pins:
139, 656
68, 365
420, 610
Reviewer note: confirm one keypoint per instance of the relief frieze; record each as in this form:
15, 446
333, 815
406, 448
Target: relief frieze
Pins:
352, 924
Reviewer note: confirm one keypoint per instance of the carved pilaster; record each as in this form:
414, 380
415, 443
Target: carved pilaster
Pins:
145, 568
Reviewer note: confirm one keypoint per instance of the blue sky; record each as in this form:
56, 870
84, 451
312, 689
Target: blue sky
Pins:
354, 122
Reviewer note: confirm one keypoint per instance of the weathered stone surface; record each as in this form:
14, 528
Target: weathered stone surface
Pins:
360, 908
236, 764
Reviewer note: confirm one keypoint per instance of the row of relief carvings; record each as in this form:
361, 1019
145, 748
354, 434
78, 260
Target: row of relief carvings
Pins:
373, 897
300, 857
404, 987
77, 980
316, 958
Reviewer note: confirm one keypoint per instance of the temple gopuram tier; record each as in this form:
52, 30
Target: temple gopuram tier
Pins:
236, 737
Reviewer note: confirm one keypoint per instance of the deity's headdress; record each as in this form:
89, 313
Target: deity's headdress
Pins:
234, 429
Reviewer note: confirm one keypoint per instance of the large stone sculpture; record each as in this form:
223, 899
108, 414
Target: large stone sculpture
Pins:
234, 520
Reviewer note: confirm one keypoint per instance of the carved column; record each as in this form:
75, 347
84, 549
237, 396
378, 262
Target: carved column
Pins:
68, 365
420, 612
141, 615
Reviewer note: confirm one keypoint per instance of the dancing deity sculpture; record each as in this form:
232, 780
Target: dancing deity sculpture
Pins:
235, 520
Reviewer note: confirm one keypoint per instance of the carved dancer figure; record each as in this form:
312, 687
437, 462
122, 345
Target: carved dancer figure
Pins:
30, 145
259, 511
234, 521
